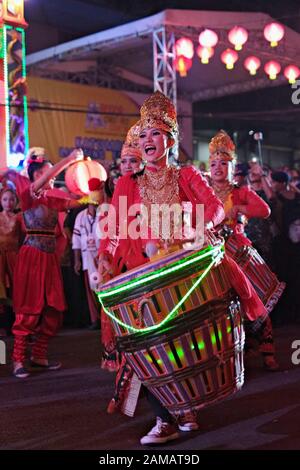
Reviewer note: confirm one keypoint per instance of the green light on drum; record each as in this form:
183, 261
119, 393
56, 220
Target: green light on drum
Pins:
201, 345
160, 273
229, 329
180, 352
214, 339
171, 357
173, 311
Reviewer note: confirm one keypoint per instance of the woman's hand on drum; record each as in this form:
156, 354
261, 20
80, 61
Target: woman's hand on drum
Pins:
105, 267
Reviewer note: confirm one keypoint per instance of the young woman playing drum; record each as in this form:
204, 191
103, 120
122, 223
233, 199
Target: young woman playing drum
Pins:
159, 184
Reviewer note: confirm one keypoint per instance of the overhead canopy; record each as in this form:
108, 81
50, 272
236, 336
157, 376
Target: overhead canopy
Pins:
122, 57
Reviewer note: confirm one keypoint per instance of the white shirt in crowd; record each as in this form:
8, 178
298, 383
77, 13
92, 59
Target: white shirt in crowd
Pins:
86, 238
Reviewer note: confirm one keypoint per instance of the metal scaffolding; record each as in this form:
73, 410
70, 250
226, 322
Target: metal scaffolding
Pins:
164, 73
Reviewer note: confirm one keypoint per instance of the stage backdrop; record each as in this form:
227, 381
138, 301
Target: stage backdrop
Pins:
65, 115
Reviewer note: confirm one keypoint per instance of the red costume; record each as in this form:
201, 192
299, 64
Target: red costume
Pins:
38, 298
240, 204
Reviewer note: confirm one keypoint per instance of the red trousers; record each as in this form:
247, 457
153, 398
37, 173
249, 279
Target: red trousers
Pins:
44, 326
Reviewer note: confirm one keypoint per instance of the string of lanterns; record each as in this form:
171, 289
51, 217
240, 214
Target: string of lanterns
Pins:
237, 36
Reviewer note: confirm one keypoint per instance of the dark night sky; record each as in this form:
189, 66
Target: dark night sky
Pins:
76, 18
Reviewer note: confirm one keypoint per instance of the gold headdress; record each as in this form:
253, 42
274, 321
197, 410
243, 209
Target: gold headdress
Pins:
130, 151
159, 111
132, 137
221, 147
130, 146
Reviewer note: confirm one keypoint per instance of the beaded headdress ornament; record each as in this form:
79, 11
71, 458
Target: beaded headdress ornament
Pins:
158, 111
221, 147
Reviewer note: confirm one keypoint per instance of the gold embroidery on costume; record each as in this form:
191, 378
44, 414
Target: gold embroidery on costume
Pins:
160, 189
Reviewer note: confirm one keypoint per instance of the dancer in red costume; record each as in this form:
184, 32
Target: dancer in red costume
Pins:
242, 203
160, 183
38, 297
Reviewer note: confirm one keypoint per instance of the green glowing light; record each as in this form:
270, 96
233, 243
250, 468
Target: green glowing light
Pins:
25, 103
201, 345
213, 338
2, 52
173, 311
6, 28
180, 353
229, 329
6, 93
171, 357
145, 279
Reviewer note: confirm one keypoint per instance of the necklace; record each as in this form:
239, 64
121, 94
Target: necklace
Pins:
223, 191
159, 188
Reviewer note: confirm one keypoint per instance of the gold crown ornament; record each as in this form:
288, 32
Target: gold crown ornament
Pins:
158, 111
130, 151
133, 134
221, 147
130, 147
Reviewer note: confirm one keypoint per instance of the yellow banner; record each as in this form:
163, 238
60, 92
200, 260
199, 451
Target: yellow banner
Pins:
66, 115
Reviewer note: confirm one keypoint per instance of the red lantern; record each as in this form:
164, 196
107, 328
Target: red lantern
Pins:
182, 65
78, 175
272, 69
205, 53
184, 47
291, 72
273, 33
229, 57
208, 38
238, 36
252, 64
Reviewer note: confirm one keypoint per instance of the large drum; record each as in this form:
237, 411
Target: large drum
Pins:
178, 322
265, 282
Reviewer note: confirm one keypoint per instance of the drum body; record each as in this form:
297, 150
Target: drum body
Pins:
194, 358
265, 282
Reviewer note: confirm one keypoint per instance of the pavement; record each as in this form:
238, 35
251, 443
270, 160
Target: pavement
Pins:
66, 409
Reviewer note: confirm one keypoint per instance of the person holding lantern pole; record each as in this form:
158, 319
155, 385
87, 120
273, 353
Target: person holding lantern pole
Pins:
38, 297
240, 204
159, 183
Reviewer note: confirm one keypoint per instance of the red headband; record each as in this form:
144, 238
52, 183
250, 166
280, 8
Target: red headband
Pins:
36, 159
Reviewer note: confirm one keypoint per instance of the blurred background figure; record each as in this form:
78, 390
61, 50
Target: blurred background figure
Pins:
258, 229
241, 173
10, 239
